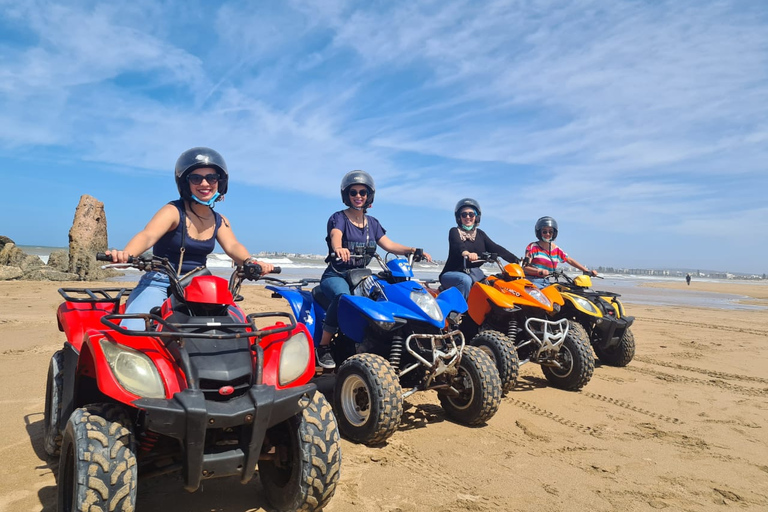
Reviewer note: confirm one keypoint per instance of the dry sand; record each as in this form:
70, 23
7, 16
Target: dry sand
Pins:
683, 427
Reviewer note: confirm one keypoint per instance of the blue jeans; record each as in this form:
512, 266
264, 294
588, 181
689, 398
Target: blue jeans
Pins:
460, 280
151, 291
541, 282
333, 284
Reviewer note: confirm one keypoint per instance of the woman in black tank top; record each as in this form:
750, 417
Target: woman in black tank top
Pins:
184, 231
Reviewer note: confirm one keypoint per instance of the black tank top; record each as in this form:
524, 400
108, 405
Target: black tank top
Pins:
195, 251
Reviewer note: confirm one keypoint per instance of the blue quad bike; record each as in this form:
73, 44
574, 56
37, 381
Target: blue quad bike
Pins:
394, 335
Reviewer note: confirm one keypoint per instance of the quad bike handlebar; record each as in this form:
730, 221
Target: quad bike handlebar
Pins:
364, 253
247, 271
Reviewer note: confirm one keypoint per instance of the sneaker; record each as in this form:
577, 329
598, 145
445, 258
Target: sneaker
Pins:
324, 356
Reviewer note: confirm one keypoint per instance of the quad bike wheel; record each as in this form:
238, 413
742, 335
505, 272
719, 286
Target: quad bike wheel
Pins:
97, 469
304, 474
621, 354
502, 353
368, 399
478, 386
576, 360
53, 391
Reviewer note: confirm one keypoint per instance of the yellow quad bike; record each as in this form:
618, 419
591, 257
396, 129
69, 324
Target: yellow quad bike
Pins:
509, 305
602, 316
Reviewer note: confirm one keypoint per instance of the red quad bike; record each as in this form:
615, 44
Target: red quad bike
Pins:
201, 390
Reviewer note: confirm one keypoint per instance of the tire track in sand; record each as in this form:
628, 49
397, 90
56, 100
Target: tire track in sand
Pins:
584, 429
682, 379
719, 327
630, 407
709, 373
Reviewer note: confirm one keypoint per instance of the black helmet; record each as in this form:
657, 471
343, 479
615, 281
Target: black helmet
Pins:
464, 203
357, 178
195, 158
546, 222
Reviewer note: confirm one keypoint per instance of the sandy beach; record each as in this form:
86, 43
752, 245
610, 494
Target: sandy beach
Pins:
683, 427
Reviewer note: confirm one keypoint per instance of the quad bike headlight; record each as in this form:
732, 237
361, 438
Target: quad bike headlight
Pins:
428, 304
133, 370
294, 358
536, 294
585, 305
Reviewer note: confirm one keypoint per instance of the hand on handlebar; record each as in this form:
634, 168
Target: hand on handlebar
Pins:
254, 269
420, 255
472, 256
118, 256
343, 254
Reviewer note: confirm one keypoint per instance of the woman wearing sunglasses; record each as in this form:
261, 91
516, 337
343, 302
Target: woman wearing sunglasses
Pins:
544, 255
465, 243
185, 231
347, 229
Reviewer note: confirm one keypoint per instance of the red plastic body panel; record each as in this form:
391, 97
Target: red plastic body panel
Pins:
75, 318
273, 345
81, 323
208, 290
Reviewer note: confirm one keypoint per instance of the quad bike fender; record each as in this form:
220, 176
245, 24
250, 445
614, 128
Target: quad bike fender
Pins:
187, 416
401, 304
451, 300
303, 308
274, 349
480, 297
520, 293
616, 304
582, 304
75, 318
94, 363
553, 294
355, 312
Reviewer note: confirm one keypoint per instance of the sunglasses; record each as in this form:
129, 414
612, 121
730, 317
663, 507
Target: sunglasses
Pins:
354, 193
548, 231
197, 179
467, 215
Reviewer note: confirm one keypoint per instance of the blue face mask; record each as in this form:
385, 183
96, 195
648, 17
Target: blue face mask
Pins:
468, 228
208, 202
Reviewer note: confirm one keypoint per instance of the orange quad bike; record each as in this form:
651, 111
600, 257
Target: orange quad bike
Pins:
507, 306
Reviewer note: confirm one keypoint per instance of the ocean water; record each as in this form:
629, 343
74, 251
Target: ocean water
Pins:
629, 286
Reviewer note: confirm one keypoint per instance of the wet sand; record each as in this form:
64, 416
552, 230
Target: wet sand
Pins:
683, 427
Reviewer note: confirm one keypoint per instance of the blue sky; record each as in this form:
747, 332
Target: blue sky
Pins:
641, 126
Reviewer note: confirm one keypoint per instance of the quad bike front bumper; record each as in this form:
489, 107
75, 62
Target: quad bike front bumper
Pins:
609, 330
188, 417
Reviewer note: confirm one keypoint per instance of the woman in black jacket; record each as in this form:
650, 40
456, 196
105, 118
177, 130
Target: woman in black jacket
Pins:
465, 242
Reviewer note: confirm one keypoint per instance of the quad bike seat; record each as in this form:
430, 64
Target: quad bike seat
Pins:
320, 297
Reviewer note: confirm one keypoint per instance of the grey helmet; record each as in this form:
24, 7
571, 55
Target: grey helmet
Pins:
467, 202
546, 222
195, 158
357, 178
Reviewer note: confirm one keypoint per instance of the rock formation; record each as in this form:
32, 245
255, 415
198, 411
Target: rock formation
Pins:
88, 236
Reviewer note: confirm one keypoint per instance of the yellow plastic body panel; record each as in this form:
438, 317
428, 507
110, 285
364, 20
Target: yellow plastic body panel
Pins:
570, 298
583, 281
